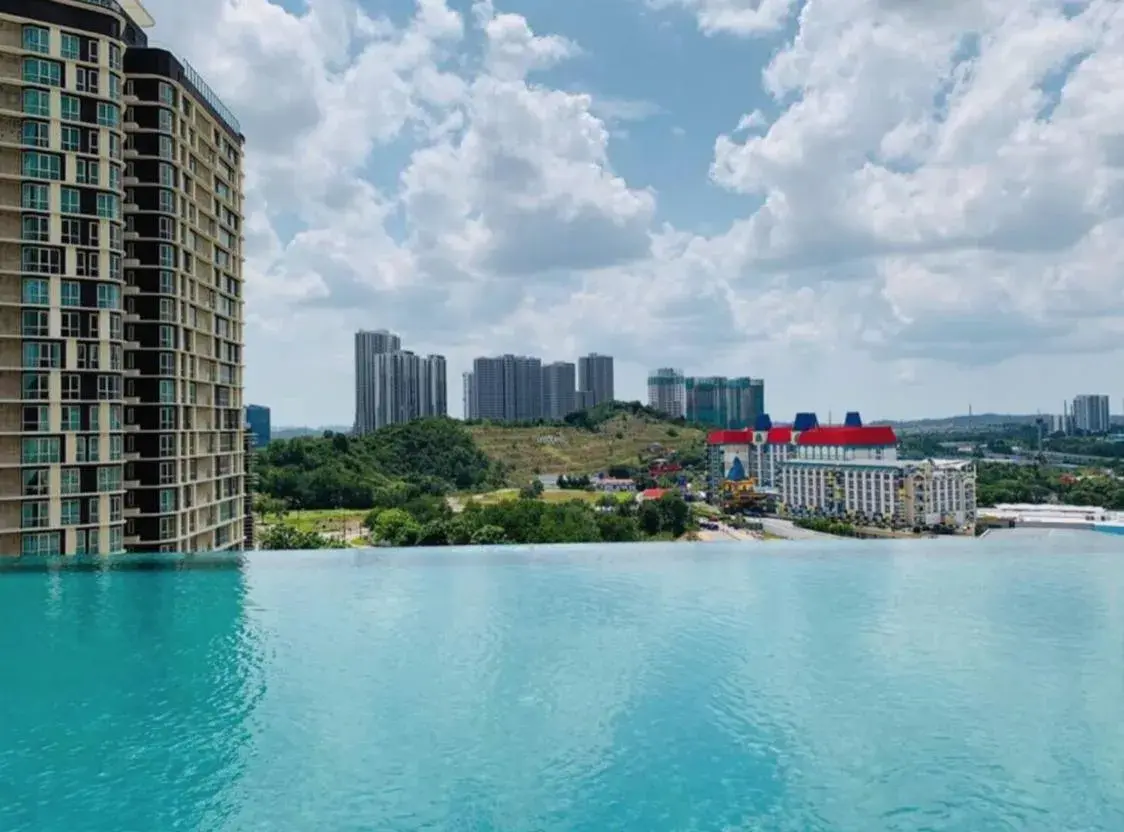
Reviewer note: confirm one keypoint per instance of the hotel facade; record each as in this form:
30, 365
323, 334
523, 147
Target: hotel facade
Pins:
121, 311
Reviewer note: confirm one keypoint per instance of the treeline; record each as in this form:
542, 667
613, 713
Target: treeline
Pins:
424, 522
594, 417
431, 456
998, 483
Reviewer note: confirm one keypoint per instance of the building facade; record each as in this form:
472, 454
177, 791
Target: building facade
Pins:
121, 330
559, 389
468, 396
595, 377
508, 388
434, 387
258, 425
1091, 414
667, 392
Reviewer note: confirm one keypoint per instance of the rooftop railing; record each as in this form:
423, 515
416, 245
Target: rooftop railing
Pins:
205, 90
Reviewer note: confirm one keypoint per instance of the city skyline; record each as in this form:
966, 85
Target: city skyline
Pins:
394, 385
654, 230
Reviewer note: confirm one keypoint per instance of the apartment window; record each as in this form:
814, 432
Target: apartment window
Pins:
88, 264
167, 527
114, 146
71, 416
115, 326
167, 175
167, 309
70, 387
70, 482
167, 337
167, 256
36, 102
167, 283
165, 122
87, 172
85, 544
115, 447
71, 231
87, 356
71, 108
114, 87
36, 418
71, 47
35, 134
109, 296
42, 165
41, 545
93, 231
36, 260
115, 417
71, 138
167, 364
167, 391
166, 228
165, 150
114, 56
108, 206
167, 500
40, 71
71, 293
34, 515
35, 197
86, 449
116, 539
109, 387
109, 115
115, 265
71, 200
71, 324
37, 39
39, 450
114, 236
71, 512
93, 509
35, 228
93, 140
109, 479
94, 412
35, 386
167, 202
115, 177
35, 322
167, 94
86, 80
40, 354
36, 482
167, 418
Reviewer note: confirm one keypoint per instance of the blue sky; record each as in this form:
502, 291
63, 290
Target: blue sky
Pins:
873, 204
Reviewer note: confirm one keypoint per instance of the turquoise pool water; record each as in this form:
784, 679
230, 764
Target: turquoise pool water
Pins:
781, 686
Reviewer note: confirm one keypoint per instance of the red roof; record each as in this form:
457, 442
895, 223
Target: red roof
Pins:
653, 493
825, 435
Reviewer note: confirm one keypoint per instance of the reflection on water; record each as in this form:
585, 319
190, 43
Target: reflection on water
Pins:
810, 686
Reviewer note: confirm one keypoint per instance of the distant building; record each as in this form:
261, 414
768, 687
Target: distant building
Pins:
508, 388
722, 402
393, 385
1091, 414
595, 377
257, 420
468, 396
667, 392
558, 390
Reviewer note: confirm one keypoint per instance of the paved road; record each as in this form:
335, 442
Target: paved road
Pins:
790, 531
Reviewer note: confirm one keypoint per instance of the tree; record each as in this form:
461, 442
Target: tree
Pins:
532, 490
649, 517
284, 538
675, 514
397, 527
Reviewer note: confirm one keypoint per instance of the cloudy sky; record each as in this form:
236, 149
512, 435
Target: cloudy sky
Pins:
896, 206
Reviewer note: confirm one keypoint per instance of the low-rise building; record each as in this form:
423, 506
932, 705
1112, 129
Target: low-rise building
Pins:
613, 485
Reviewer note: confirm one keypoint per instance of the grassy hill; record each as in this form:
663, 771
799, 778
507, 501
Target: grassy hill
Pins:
620, 440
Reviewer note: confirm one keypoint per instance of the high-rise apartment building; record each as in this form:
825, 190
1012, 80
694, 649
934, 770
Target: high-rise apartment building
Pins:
393, 385
1091, 413
559, 390
508, 388
595, 377
722, 402
120, 247
667, 392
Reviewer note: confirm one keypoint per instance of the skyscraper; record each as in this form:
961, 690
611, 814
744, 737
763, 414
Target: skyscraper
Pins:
724, 402
1091, 413
257, 422
559, 390
595, 376
393, 385
667, 391
126, 409
508, 388
468, 396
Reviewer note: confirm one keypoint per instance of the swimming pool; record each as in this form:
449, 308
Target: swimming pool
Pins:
937, 685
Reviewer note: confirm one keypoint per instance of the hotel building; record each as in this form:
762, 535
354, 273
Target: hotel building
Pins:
847, 471
121, 313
